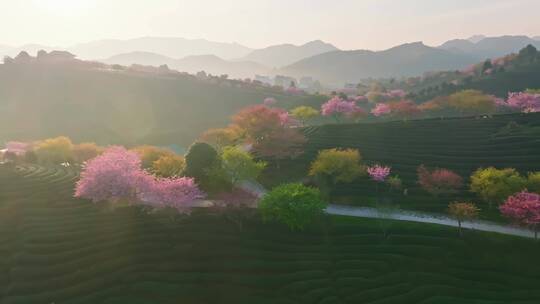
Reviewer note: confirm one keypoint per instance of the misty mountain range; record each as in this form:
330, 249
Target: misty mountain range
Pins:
317, 59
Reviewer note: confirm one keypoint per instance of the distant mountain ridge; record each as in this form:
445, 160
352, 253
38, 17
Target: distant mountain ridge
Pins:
192, 64
170, 47
490, 47
284, 54
318, 59
410, 59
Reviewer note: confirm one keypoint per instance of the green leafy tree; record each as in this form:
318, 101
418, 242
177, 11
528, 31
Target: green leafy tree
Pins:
240, 165
495, 185
533, 182
472, 102
86, 151
337, 165
395, 183
55, 150
304, 114
220, 138
150, 154
169, 166
292, 204
462, 212
199, 158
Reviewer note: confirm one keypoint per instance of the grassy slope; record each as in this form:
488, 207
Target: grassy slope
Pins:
460, 144
57, 249
41, 101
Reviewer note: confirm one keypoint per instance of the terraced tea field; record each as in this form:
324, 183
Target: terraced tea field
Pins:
460, 144
56, 249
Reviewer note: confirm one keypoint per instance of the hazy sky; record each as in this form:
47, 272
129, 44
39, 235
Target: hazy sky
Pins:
349, 24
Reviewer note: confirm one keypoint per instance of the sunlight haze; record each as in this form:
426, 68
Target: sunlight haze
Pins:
348, 24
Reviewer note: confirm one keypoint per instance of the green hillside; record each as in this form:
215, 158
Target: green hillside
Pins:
459, 144
40, 101
518, 72
55, 249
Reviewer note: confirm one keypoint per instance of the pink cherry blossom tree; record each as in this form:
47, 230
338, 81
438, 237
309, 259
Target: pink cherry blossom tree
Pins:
381, 109
337, 107
116, 176
18, 148
524, 208
524, 102
404, 109
378, 174
178, 193
439, 181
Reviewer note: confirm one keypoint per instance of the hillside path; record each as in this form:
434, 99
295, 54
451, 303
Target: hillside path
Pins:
403, 215
421, 217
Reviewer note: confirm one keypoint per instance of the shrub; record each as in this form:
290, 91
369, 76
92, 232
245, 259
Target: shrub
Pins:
494, 185
54, 150
149, 154
439, 181
395, 182
240, 165
169, 166
295, 205
86, 151
337, 165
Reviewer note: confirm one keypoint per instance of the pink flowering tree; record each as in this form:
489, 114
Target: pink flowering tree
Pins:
439, 181
405, 109
18, 148
360, 98
381, 109
112, 176
337, 107
378, 174
523, 208
179, 193
524, 102
397, 94
117, 176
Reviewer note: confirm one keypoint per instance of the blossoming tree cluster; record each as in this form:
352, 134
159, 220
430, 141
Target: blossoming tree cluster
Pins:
117, 176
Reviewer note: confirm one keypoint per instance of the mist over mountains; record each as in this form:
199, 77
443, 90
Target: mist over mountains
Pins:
317, 59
